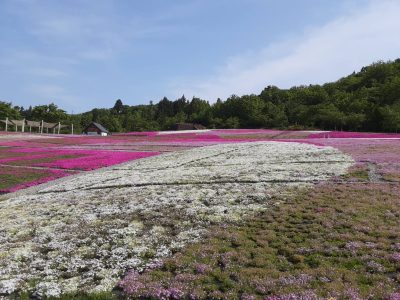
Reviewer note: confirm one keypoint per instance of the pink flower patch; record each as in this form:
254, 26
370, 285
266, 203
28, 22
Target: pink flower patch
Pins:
92, 160
395, 257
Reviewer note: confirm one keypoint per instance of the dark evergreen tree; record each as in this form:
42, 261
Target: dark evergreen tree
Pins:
118, 107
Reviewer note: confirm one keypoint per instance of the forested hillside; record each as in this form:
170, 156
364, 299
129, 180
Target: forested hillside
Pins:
368, 100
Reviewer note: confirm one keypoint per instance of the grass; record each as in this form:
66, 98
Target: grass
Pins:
357, 173
335, 241
38, 161
10, 176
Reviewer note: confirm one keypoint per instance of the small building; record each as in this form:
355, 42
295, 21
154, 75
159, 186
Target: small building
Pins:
96, 129
188, 126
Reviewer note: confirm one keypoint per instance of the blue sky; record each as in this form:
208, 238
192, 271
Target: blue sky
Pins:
88, 53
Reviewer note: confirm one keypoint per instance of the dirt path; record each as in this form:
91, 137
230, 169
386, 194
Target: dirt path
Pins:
373, 175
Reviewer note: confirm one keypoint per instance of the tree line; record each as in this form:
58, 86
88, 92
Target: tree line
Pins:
368, 100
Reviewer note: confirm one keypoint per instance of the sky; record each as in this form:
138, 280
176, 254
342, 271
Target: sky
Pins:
86, 54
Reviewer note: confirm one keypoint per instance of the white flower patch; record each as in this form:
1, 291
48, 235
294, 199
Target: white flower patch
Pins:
84, 233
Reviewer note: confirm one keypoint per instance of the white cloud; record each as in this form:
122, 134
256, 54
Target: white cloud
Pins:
317, 56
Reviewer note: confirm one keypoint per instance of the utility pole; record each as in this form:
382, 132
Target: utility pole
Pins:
72, 128
23, 125
41, 128
6, 124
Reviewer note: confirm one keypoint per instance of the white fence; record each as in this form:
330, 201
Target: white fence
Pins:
24, 124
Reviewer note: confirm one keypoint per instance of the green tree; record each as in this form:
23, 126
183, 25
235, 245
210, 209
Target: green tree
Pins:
49, 113
8, 111
232, 123
391, 118
118, 107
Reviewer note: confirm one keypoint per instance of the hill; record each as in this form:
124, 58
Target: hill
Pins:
368, 100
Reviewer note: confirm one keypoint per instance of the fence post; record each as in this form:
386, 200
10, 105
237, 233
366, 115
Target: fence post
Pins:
6, 124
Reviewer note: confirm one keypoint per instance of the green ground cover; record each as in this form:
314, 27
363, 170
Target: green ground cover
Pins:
10, 176
37, 161
338, 240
